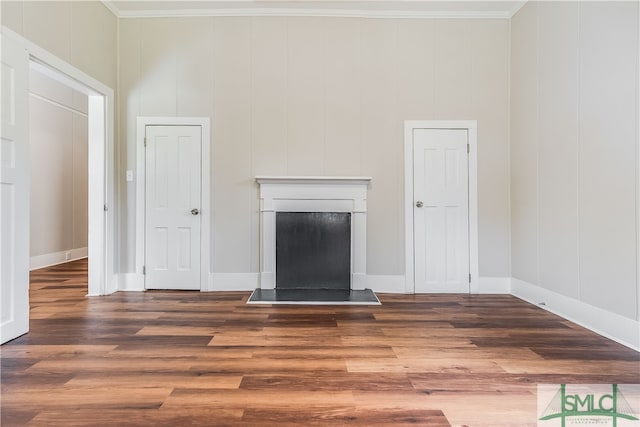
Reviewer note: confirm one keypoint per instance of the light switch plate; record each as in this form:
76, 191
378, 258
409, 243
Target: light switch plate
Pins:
129, 176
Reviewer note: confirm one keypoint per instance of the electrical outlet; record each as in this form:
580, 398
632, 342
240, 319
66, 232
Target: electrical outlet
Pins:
129, 175
67, 255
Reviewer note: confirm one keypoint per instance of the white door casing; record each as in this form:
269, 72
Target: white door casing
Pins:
173, 205
440, 216
441, 236
14, 192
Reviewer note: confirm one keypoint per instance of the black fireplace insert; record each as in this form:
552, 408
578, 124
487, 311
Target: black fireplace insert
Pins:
313, 250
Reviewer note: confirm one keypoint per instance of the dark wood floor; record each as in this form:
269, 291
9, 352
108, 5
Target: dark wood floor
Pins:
191, 358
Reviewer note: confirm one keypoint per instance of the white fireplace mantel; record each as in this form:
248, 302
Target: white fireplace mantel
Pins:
313, 194
362, 180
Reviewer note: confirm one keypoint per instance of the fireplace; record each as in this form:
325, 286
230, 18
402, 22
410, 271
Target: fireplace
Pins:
331, 209
313, 250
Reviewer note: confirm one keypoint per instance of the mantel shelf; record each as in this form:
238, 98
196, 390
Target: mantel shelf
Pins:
363, 180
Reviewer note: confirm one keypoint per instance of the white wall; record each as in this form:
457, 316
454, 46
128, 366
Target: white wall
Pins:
574, 142
83, 33
58, 152
318, 96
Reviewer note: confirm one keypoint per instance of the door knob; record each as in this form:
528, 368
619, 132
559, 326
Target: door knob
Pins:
419, 204
195, 211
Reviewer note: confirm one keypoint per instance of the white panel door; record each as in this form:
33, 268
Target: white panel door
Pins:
441, 210
173, 204
14, 193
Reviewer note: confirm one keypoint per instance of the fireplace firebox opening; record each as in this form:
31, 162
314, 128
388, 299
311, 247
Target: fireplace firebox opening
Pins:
313, 250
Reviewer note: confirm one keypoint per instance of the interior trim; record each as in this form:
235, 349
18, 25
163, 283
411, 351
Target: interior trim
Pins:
363, 12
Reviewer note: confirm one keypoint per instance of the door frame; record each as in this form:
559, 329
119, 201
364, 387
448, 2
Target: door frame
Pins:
205, 193
471, 126
102, 236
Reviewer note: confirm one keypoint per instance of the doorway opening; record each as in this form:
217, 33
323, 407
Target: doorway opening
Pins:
101, 235
99, 167
58, 144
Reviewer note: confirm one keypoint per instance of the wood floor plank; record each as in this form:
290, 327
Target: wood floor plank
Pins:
324, 352
485, 353
43, 351
275, 366
422, 365
70, 398
195, 417
173, 358
179, 330
186, 379
585, 353
405, 341
577, 366
243, 399
183, 352
344, 417
417, 331
109, 365
390, 382
268, 341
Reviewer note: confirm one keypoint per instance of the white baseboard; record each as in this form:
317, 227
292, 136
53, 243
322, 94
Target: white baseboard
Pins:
250, 281
131, 282
55, 258
392, 284
611, 325
492, 285
232, 282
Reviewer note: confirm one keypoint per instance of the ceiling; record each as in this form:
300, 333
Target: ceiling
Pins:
347, 8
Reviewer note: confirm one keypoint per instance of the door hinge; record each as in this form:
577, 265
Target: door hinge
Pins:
145, 141
144, 270
468, 148
469, 277
106, 208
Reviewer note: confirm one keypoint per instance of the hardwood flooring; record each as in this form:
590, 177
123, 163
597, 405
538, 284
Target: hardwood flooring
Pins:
208, 359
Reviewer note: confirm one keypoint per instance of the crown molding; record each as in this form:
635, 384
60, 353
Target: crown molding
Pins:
516, 8
334, 13
307, 12
111, 7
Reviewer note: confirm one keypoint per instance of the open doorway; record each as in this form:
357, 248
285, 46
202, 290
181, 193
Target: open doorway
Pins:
58, 152
90, 97
17, 55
